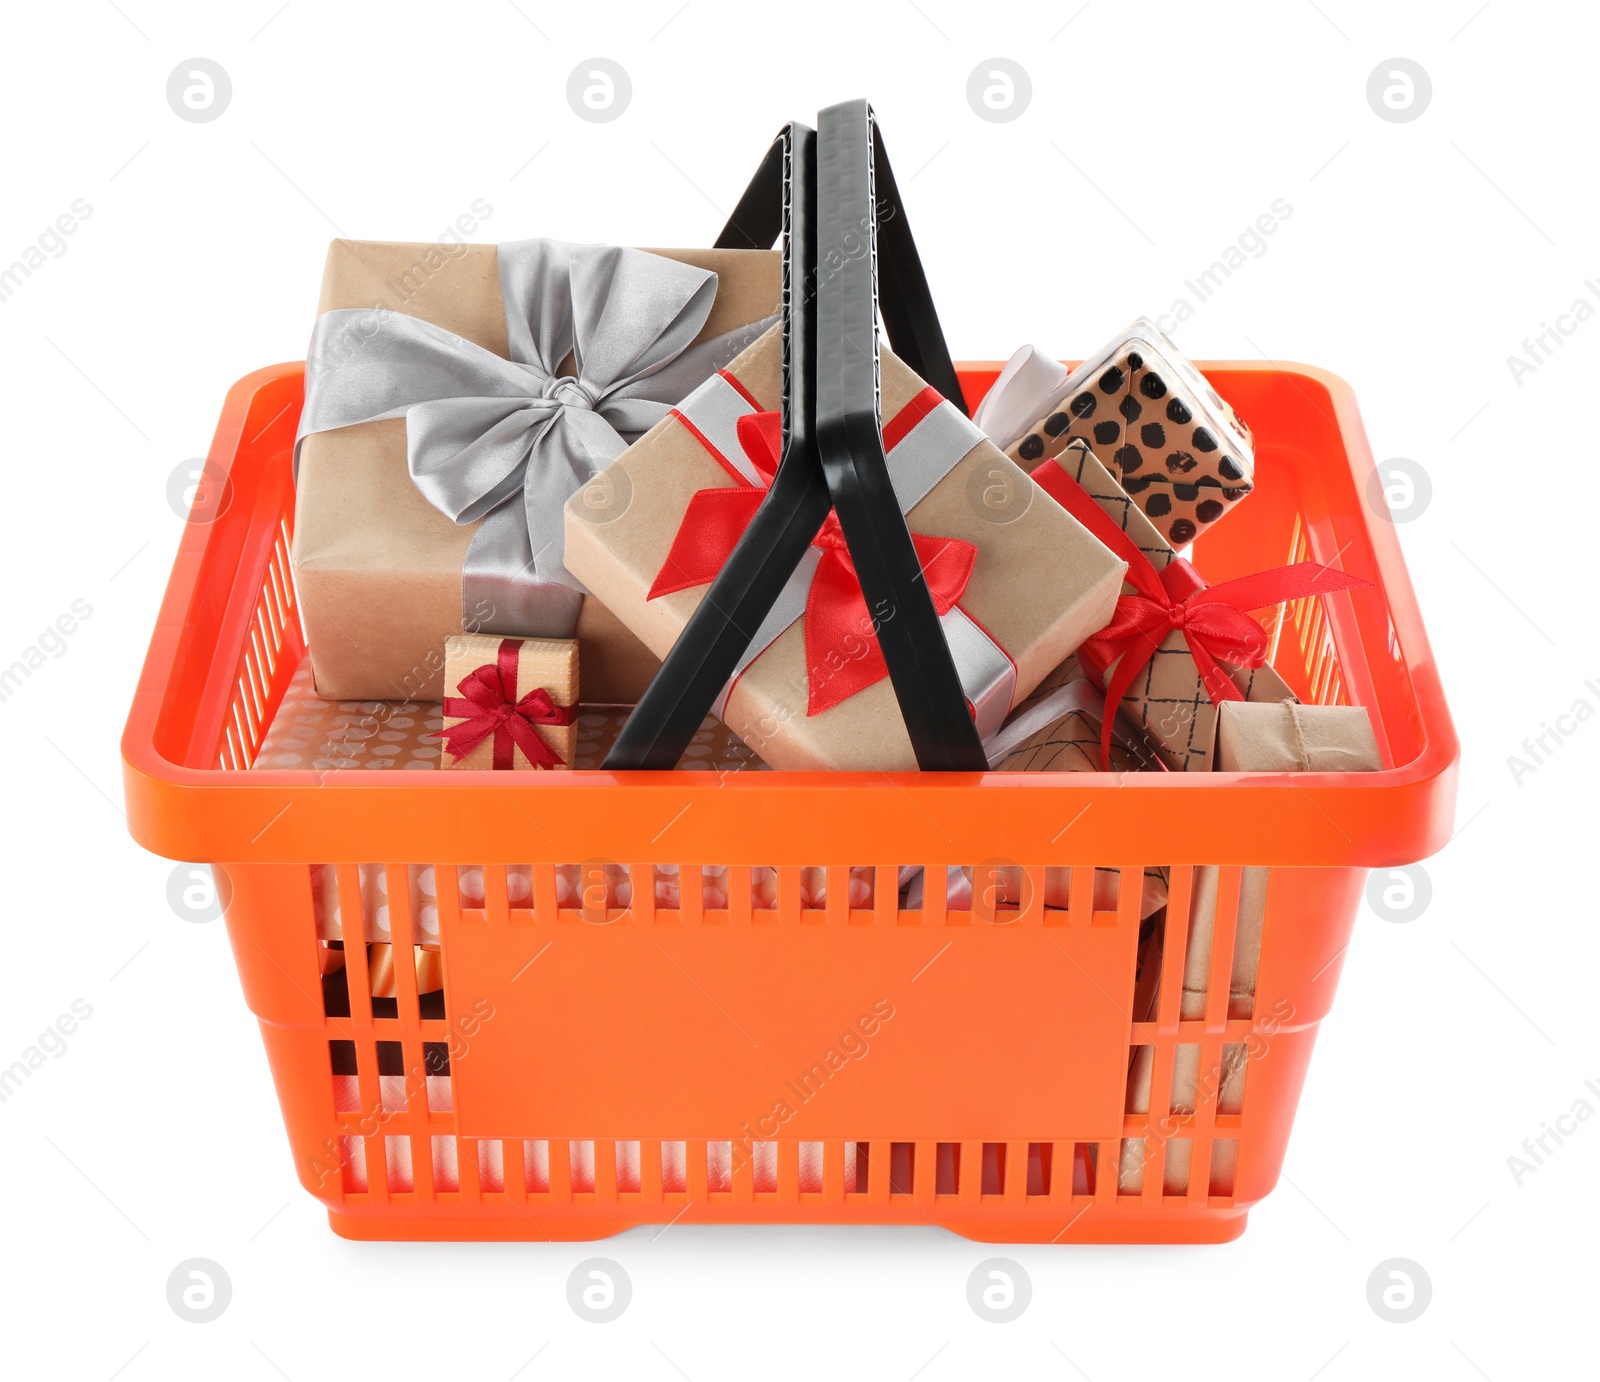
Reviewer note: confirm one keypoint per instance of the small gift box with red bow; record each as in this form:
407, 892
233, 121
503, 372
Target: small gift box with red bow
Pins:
1176, 648
1016, 581
510, 702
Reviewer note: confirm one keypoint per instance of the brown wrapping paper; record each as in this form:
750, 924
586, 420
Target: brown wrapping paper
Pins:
1294, 738
1251, 738
1158, 426
1040, 586
377, 567
1072, 743
550, 664
1167, 700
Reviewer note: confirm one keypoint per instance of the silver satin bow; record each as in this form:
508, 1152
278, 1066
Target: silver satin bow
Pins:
482, 430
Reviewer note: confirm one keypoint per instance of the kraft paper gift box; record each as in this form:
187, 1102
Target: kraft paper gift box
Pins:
459, 336
1151, 417
510, 703
1168, 700
1251, 738
1037, 584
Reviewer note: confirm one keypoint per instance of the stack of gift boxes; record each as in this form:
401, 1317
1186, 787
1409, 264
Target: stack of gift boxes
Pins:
514, 488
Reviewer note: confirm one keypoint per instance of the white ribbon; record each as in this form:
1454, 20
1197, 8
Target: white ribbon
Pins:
1028, 385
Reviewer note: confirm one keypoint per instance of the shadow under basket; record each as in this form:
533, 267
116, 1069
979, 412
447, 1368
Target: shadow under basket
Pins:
556, 1065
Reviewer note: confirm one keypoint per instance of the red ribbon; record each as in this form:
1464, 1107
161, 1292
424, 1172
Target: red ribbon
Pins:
488, 705
1214, 619
842, 652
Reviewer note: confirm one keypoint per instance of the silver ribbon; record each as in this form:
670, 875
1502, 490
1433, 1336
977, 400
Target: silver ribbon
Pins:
483, 432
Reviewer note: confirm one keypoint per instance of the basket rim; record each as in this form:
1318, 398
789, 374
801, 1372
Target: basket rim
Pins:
159, 790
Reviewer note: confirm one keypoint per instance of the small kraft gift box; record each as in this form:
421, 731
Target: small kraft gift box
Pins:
510, 702
456, 395
1016, 589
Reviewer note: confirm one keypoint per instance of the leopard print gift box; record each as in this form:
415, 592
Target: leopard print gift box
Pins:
1154, 422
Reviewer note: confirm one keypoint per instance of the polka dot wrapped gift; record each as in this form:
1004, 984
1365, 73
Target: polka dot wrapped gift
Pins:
1149, 416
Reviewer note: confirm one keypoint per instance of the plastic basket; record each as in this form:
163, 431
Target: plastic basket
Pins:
592, 1069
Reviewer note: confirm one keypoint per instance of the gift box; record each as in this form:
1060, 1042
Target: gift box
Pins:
455, 397
1150, 417
1168, 699
1018, 584
1295, 738
509, 702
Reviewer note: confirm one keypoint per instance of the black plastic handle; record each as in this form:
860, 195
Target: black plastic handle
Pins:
759, 218
837, 190
903, 296
708, 650
904, 299
850, 439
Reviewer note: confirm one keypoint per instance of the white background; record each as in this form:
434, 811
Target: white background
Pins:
1417, 259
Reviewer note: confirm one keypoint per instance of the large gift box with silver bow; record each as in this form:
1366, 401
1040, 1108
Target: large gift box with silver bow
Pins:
455, 397
1018, 583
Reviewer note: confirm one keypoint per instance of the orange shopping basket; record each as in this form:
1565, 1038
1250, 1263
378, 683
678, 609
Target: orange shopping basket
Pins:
587, 1067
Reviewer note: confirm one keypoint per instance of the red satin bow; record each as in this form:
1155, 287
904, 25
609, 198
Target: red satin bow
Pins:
842, 652
1214, 619
488, 705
